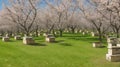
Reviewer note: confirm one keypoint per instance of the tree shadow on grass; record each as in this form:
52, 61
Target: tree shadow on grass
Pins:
59, 41
39, 38
103, 47
74, 36
38, 44
65, 44
11, 41
41, 41
84, 39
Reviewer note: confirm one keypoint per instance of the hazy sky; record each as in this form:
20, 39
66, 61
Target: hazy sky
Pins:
42, 3
0, 4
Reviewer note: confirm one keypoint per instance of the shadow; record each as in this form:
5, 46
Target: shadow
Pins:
65, 44
19, 40
74, 36
37, 44
59, 41
84, 38
10, 41
40, 41
71, 36
103, 47
38, 38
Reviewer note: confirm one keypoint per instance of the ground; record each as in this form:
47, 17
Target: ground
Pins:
71, 50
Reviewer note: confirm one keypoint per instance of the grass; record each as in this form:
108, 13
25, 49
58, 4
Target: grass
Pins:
71, 50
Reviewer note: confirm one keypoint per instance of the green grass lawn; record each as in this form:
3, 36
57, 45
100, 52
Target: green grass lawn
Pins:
71, 50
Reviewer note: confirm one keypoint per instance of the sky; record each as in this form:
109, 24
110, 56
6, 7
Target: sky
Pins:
0, 4
42, 3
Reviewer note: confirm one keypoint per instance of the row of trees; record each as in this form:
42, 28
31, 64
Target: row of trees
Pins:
27, 16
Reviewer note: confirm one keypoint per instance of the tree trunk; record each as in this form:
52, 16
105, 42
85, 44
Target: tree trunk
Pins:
117, 33
73, 30
2, 33
36, 31
53, 31
27, 33
100, 35
61, 33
